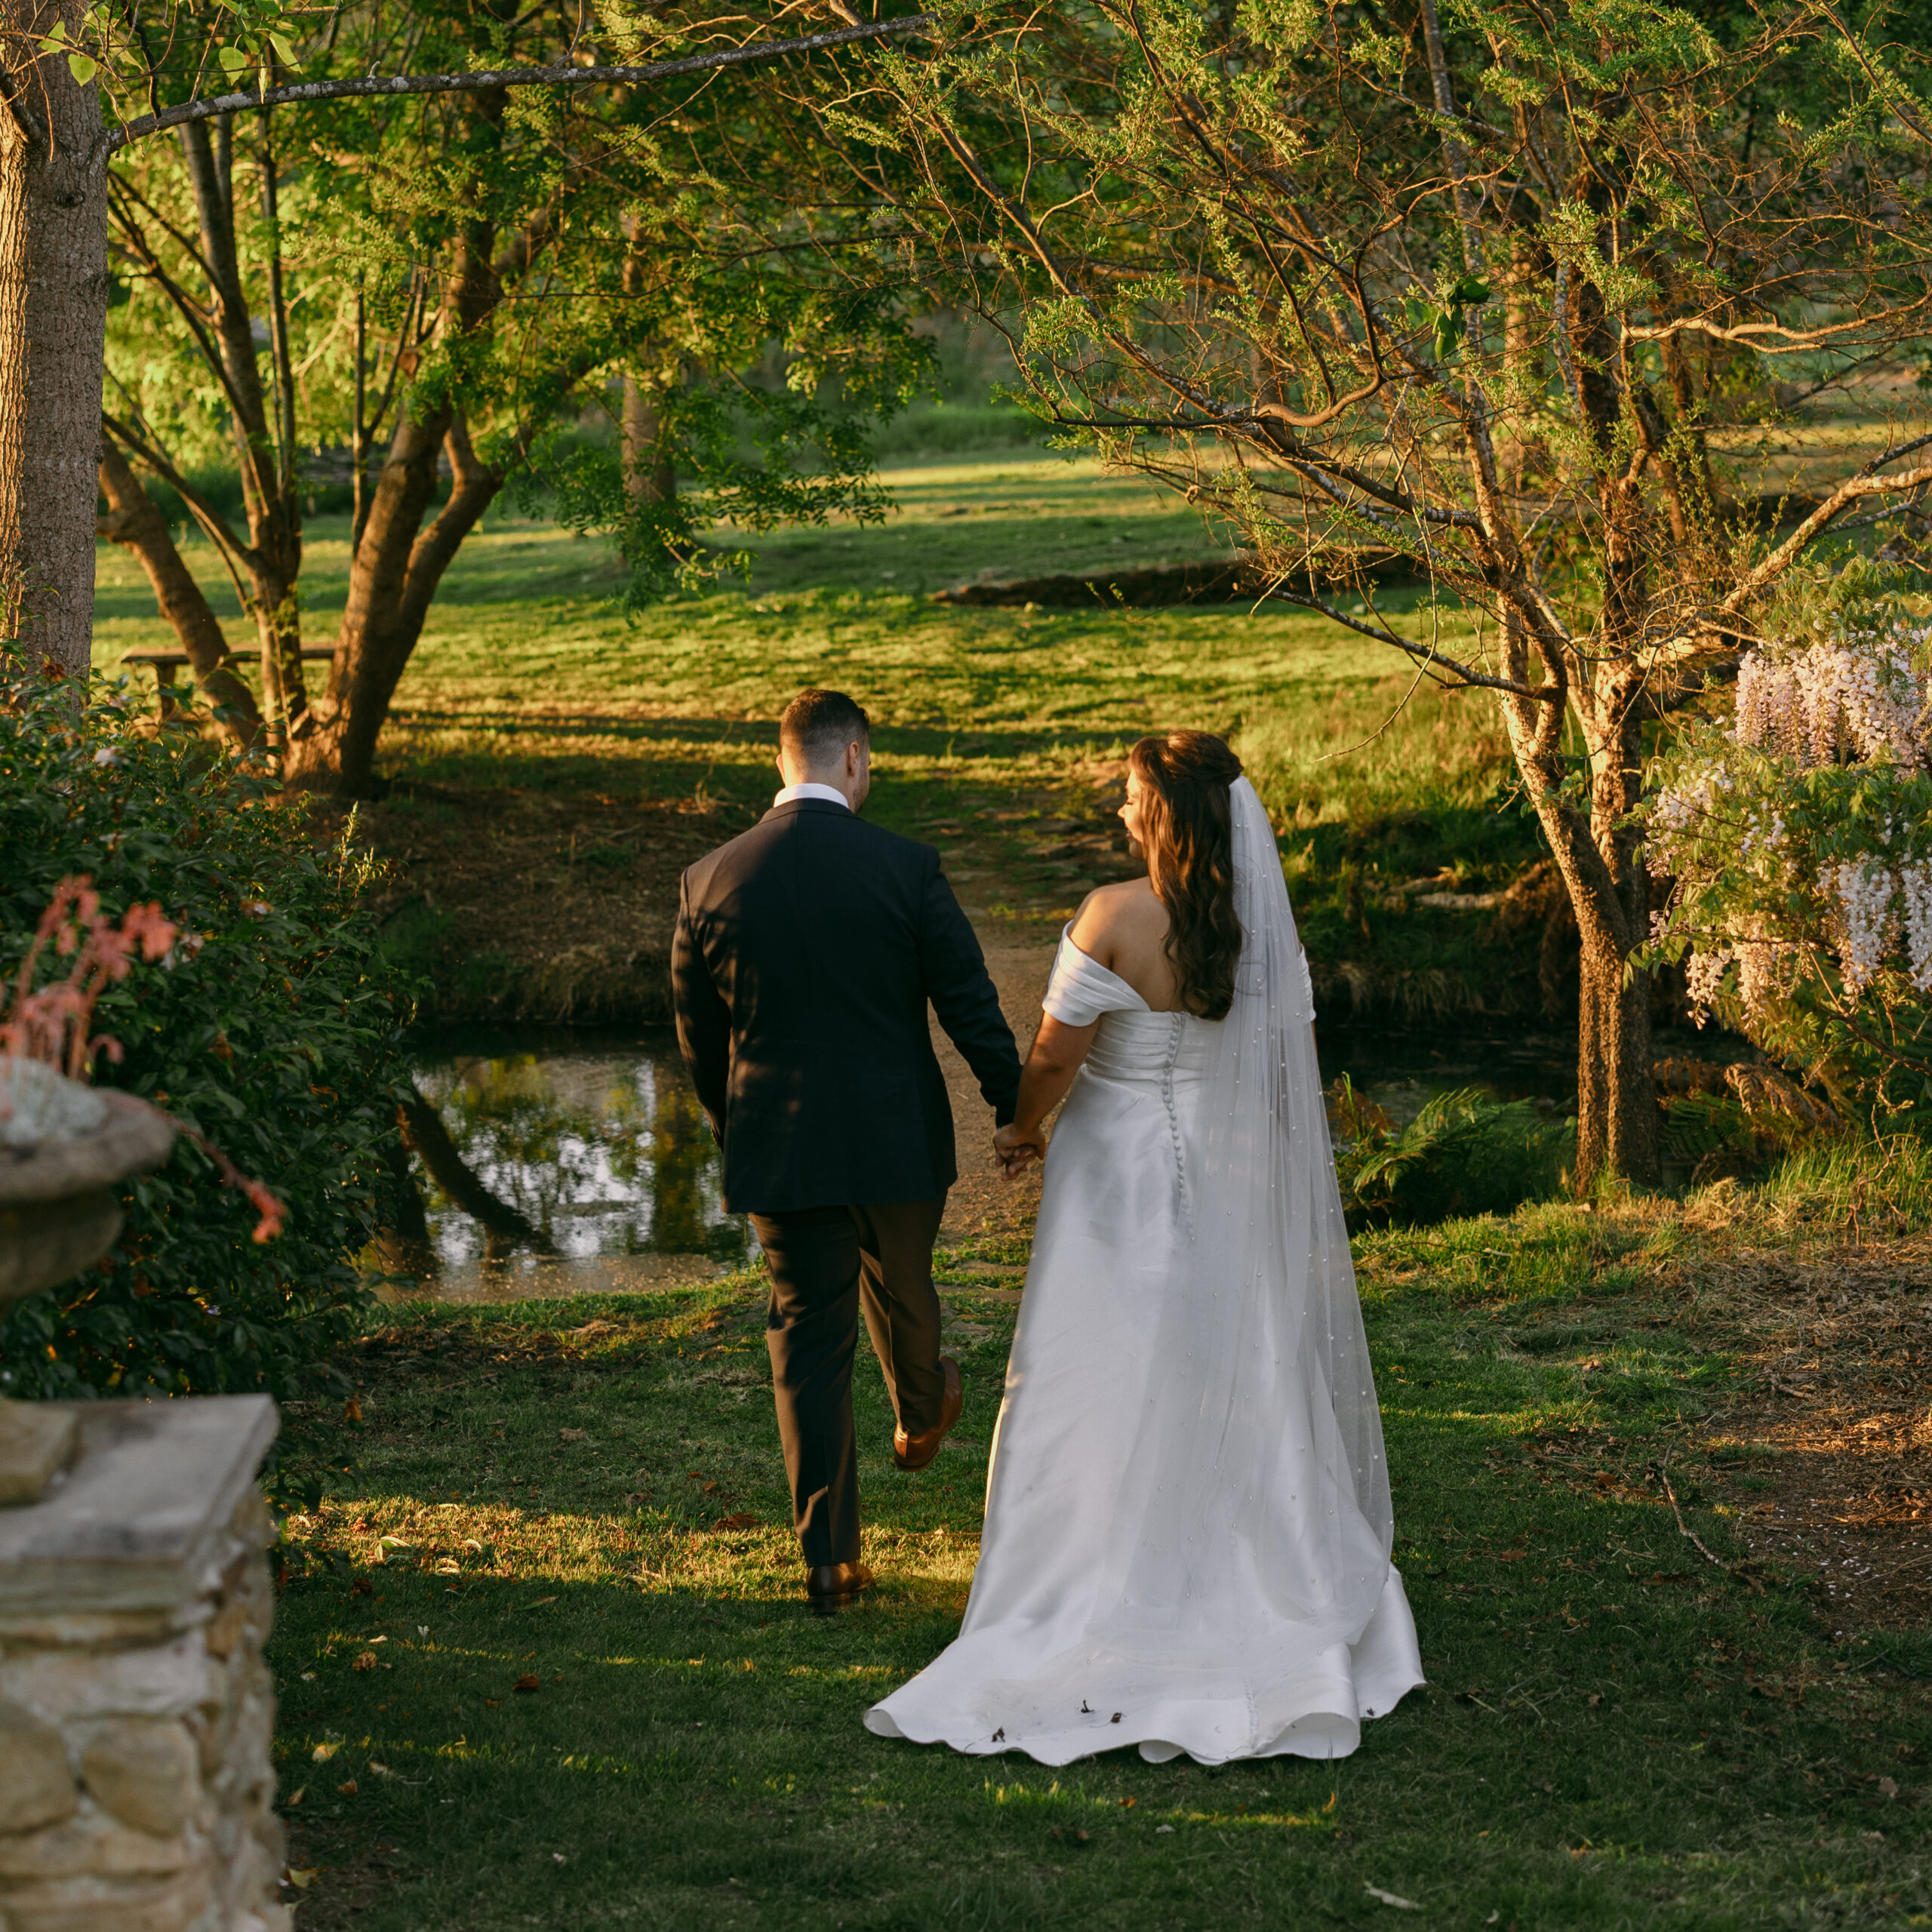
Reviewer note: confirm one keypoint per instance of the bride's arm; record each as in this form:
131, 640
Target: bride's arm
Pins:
1058, 1051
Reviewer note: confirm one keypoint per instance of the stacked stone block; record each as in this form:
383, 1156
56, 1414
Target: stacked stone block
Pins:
136, 1711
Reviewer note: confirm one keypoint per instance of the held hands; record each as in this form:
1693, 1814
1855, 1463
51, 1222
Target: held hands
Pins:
1014, 1148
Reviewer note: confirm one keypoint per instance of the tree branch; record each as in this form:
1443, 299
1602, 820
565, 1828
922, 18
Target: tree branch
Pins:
1426, 655
564, 76
1866, 483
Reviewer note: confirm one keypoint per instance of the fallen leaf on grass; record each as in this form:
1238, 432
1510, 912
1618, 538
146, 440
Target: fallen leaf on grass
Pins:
368, 1660
1669, 1576
301, 1880
1159, 1829
741, 1521
296, 1796
539, 1603
529, 1681
1389, 1898
574, 1434
490, 1703
351, 1409
347, 1788
381, 1770
324, 1751
1502, 1556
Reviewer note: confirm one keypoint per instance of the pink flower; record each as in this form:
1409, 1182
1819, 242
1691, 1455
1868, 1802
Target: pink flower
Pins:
271, 1211
51, 1023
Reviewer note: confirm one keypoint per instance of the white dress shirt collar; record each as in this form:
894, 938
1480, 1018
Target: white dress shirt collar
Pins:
828, 793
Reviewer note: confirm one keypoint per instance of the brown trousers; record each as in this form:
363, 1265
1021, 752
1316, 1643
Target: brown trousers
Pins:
825, 1265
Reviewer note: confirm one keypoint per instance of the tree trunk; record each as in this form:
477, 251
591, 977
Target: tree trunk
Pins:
1616, 1101
263, 446
132, 520
1597, 856
53, 285
391, 581
394, 572
648, 476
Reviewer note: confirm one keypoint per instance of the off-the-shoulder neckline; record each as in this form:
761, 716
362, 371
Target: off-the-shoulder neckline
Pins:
1067, 940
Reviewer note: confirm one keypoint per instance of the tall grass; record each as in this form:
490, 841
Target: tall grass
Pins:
1875, 1184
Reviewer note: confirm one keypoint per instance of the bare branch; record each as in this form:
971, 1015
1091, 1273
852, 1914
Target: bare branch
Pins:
1426, 655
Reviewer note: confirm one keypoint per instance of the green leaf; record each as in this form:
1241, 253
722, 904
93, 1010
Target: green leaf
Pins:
285, 47
81, 68
233, 60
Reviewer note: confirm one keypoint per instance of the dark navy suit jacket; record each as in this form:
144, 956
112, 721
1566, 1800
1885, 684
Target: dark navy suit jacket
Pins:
806, 952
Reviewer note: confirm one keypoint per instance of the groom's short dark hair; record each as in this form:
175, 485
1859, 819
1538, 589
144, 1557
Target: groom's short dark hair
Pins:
817, 724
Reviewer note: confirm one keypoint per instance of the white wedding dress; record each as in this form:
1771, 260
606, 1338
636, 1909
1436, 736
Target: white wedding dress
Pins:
1188, 1521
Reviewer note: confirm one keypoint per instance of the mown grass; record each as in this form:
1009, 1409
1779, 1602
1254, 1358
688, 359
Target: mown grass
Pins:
1616, 1732
992, 723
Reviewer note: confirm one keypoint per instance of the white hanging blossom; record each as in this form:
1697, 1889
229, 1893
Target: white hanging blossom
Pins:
1763, 974
1864, 893
1860, 695
1703, 980
1915, 889
1804, 826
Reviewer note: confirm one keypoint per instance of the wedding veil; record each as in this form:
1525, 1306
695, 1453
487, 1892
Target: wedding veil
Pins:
1261, 1466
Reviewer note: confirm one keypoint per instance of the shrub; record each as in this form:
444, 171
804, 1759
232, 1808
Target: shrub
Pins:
1464, 1153
1799, 831
273, 1030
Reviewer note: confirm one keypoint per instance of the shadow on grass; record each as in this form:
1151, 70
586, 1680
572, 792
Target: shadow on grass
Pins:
1617, 1733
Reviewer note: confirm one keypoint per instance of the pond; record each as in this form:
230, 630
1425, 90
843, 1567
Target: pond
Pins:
594, 1139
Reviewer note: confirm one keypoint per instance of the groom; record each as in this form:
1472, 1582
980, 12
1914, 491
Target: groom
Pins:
805, 953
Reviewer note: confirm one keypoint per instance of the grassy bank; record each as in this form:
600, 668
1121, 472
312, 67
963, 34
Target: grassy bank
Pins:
535, 720
584, 1500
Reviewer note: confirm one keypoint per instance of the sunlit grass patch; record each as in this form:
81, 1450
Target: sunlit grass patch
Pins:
1610, 1717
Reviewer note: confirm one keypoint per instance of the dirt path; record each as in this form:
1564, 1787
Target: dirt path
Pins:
982, 1202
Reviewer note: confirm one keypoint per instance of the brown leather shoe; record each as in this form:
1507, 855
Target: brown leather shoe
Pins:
915, 1452
829, 1584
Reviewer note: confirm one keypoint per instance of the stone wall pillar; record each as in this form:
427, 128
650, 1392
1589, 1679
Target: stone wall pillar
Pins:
136, 1790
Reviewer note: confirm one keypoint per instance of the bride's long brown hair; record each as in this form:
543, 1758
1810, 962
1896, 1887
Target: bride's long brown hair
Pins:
1187, 830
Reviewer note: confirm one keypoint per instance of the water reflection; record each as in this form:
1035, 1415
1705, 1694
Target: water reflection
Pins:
563, 1160
586, 1167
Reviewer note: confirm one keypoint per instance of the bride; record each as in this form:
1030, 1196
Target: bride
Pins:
1188, 1521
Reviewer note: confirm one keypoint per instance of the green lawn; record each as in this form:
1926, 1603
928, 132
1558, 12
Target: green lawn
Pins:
1617, 1733
588, 1496
991, 722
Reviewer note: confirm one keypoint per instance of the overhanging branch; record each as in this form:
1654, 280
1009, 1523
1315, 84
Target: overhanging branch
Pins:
1426, 656
566, 76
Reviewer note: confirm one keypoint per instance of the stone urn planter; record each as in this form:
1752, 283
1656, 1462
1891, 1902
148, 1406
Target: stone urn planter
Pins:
63, 1147
137, 1790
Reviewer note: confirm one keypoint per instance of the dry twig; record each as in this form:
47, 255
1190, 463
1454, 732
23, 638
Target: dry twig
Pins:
1684, 1529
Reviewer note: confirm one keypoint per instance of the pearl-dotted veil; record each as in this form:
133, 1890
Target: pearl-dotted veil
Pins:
1268, 1415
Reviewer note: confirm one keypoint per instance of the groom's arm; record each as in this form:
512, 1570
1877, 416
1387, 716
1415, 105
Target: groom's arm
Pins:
704, 1021
962, 992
